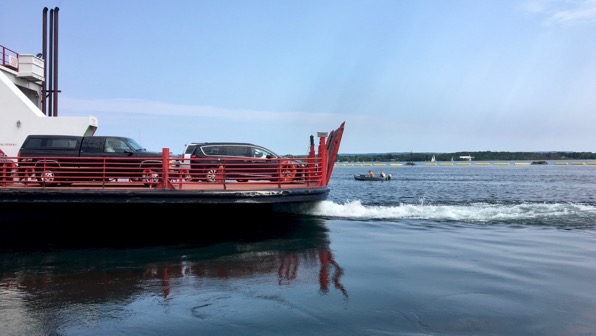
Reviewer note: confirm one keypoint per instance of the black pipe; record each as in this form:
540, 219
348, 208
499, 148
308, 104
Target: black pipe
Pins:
50, 63
44, 51
56, 90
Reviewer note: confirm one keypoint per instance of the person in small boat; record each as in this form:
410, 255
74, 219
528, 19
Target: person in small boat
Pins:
382, 174
371, 174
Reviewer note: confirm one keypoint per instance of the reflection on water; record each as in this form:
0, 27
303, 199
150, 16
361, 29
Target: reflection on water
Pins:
47, 285
433, 252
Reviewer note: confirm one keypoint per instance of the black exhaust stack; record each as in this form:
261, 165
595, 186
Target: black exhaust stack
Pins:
49, 99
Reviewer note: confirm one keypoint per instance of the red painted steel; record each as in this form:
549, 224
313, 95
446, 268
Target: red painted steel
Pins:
123, 173
333, 142
167, 172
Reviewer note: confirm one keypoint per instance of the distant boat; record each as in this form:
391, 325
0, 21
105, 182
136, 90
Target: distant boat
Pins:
433, 159
366, 177
466, 157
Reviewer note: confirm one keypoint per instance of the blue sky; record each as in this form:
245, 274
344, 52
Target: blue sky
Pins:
405, 75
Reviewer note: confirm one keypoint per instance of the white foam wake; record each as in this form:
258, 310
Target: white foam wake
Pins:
474, 212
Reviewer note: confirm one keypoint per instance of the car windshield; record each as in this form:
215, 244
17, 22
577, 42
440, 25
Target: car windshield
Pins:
135, 145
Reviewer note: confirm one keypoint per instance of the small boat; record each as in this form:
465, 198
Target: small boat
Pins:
366, 177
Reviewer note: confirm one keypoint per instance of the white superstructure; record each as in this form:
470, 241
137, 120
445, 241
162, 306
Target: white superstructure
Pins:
20, 116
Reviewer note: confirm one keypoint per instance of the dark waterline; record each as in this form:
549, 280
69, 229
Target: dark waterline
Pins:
65, 225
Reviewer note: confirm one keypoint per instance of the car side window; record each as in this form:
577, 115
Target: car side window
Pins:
122, 146
211, 150
92, 145
190, 149
110, 146
258, 153
63, 143
53, 143
33, 143
115, 145
241, 151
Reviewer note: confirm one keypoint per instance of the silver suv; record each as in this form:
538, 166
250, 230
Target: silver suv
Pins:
213, 161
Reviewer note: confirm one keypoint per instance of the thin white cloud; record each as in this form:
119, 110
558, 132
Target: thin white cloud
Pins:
563, 11
156, 108
585, 11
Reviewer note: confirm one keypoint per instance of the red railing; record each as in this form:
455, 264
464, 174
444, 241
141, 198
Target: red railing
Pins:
171, 173
160, 173
9, 59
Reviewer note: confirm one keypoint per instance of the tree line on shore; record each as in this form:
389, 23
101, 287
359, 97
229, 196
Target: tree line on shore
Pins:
477, 156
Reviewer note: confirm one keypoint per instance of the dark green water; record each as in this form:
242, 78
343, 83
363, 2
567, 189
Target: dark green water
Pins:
434, 251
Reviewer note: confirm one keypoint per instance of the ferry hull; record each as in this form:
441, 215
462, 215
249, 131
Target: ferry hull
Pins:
70, 196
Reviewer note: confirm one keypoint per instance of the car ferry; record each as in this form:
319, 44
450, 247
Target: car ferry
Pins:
117, 180
27, 110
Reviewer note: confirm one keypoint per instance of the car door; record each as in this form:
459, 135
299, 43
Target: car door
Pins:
119, 158
262, 162
91, 164
238, 164
107, 156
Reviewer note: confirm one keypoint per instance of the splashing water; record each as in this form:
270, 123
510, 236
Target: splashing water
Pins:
471, 213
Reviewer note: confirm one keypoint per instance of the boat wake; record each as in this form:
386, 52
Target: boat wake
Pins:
522, 213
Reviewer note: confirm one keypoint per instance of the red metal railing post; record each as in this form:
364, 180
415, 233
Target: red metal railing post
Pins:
165, 167
5, 174
311, 162
323, 161
29, 175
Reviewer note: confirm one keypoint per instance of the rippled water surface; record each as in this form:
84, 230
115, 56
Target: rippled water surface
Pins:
435, 251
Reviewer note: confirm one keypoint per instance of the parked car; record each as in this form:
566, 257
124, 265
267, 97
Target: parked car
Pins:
213, 161
62, 159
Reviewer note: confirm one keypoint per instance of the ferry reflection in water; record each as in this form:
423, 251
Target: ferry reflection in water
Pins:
48, 292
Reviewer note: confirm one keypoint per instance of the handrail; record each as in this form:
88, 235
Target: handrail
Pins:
10, 58
169, 172
165, 172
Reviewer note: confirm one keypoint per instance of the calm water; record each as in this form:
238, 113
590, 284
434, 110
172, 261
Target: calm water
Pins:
507, 250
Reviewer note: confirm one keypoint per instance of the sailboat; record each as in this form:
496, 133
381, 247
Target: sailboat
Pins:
433, 159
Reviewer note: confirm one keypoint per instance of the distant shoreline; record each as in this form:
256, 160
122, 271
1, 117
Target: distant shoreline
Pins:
457, 156
483, 163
